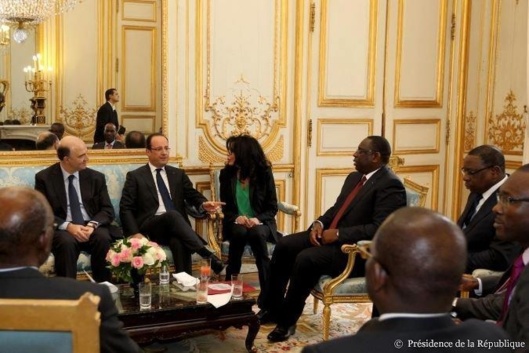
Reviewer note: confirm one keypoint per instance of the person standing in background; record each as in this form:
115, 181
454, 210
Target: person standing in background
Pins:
107, 114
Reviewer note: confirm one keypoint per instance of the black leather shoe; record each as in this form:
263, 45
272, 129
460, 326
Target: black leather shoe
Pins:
281, 333
216, 264
266, 317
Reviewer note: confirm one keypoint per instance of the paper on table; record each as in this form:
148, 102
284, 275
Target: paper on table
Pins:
185, 279
218, 300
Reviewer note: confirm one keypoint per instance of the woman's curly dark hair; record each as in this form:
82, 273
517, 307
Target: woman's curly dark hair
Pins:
250, 159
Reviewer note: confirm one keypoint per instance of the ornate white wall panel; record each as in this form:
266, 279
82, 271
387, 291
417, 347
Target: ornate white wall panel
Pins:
139, 10
329, 183
340, 137
420, 53
347, 52
417, 136
139, 69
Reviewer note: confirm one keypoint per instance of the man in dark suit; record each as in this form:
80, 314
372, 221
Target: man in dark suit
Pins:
153, 203
412, 276
82, 208
26, 232
110, 139
483, 173
368, 196
107, 114
509, 304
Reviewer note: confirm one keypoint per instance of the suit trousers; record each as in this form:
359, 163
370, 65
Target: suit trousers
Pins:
296, 260
66, 250
173, 230
256, 237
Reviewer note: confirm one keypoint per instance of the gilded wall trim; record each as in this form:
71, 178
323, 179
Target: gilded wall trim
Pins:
470, 131
79, 119
144, 3
324, 101
320, 174
507, 129
320, 151
207, 154
441, 45
212, 112
436, 144
126, 107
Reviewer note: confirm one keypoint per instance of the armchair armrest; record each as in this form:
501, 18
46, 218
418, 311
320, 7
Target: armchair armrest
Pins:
351, 250
292, 210
214, 232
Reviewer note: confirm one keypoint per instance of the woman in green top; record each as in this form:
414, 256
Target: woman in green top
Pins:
247, 187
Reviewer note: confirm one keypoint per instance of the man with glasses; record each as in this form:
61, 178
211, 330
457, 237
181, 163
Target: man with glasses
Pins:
412, 275
483, 173
154, 201
367, 197
509, 304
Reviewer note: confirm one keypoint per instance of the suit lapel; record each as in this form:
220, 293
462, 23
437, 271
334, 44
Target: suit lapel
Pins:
366, 189
484, 210
149, 179
470, 200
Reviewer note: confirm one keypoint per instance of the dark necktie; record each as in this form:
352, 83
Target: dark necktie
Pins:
472, 209
75, 207
516, 271
166, 197
347, 202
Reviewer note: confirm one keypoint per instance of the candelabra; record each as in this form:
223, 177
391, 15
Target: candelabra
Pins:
36, 82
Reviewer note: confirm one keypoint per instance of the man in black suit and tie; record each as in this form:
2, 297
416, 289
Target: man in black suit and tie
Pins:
509, 304
368, 196
153, 203
26, 235
82, 208
110, 139
418, 257
483, 173
107, 114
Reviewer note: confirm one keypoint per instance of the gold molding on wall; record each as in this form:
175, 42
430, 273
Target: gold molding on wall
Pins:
470, 131
324, 101
203, 97
154, 82
441, 45
320, 174
436, 122
339, 121
507, 129
207, 154
154, 11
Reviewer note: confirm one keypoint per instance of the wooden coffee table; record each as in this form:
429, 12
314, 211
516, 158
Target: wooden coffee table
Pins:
175, 315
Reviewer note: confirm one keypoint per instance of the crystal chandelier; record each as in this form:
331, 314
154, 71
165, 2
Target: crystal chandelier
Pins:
25, 14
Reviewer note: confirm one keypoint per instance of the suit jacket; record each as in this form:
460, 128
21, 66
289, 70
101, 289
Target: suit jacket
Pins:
101, 145
263, 198
139, 200
516, 322
382, 194
398, 335
29, 283
485, 250
94, 194
105, 115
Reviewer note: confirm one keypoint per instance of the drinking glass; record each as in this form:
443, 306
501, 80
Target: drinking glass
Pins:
237, 284
202, 290
164, 275
145, 291
205, 268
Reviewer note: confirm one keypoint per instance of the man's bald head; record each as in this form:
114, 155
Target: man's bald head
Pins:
419, 257
26, 227
72, 153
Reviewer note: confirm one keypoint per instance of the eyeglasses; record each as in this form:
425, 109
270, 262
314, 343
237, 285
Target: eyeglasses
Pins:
363, 151
505, 200
159, 149
471, 172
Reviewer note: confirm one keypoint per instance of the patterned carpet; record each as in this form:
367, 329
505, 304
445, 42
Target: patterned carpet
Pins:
345, 319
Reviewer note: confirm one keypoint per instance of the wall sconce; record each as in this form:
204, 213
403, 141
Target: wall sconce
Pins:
37, 82
4, 37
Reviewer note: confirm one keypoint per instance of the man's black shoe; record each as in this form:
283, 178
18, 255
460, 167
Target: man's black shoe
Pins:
266, 317
280, 333
216, 264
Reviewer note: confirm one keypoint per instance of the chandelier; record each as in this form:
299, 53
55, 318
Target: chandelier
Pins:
26, 14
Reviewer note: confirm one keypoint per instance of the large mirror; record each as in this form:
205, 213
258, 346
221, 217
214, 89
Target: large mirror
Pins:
98, 45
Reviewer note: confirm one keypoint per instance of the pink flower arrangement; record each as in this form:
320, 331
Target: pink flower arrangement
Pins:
138, 253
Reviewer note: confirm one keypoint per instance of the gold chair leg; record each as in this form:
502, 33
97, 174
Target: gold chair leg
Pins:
326, 321
315, 305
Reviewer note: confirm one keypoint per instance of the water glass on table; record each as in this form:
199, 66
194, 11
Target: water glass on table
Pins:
236, 284
145, 291
202, 290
